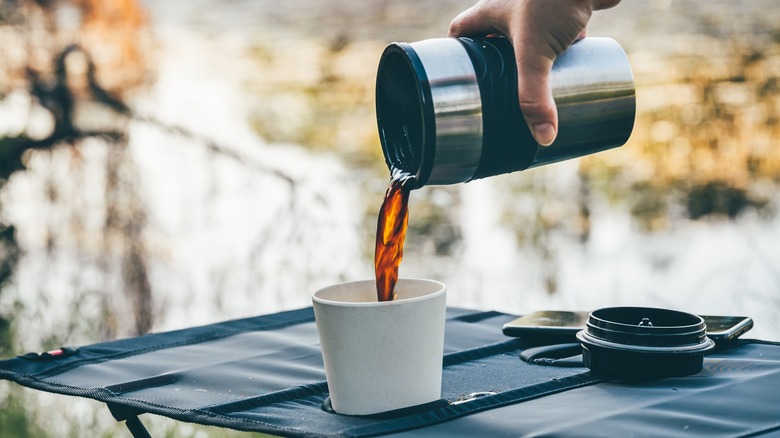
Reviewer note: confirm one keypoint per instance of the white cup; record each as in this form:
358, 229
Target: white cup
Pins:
381, 356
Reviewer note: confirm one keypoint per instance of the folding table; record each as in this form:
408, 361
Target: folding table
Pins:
265, 374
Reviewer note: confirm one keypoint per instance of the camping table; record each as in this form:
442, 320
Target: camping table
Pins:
265, 374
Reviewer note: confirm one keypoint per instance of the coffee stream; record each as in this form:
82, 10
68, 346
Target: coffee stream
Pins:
390, 233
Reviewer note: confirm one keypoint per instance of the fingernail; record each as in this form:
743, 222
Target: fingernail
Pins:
544, 133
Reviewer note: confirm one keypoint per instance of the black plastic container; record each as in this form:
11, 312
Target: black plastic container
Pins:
644, 342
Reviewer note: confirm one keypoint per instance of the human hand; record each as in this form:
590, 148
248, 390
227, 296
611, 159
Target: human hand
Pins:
539, 30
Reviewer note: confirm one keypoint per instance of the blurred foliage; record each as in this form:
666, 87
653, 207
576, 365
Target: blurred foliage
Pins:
704, 135
9, 256
40, 63
436, 231
318, 94
58, 79
14, 418
706, 129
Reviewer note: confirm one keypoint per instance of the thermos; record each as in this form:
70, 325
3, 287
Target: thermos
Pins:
448, 111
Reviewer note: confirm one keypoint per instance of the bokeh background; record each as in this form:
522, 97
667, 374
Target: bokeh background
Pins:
165, 164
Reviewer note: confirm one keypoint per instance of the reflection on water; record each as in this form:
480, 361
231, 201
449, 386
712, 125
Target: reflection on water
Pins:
248, 173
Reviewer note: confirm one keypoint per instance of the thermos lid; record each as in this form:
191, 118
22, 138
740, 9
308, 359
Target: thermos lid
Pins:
429, 111
644, 342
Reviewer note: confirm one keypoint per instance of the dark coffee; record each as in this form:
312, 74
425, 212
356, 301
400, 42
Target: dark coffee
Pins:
390, 234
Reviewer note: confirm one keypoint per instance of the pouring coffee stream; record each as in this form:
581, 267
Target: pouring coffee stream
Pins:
391, 233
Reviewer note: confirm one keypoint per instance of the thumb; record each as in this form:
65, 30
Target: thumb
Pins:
474, 21
535, 96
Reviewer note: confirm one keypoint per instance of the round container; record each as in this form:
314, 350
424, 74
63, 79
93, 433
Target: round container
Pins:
644, 342
448, 110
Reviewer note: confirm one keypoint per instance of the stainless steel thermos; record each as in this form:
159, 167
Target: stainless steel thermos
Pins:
448, 111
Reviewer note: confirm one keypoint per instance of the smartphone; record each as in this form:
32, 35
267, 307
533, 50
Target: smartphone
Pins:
552, 325
724, 328
562, 326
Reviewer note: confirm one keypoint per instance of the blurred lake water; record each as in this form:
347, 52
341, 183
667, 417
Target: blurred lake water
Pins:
252, 175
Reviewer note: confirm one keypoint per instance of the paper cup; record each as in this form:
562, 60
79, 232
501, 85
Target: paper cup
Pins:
381, 356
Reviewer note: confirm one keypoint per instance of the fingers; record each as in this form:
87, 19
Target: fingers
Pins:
540, 31
604, 4
478, 20
536, 102
535, 95
467, 23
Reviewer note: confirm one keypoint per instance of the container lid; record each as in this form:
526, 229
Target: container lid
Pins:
644, 342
